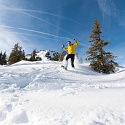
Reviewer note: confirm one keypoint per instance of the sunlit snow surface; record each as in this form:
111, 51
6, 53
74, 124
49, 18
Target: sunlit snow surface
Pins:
42, 93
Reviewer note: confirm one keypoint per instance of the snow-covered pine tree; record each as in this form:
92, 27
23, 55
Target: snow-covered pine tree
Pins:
100, 60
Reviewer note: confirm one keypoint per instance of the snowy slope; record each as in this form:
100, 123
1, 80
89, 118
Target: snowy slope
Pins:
41, 93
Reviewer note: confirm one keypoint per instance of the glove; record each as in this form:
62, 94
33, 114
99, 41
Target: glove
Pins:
63, 46
75, 40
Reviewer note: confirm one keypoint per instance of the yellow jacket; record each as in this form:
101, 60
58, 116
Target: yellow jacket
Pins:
71, 48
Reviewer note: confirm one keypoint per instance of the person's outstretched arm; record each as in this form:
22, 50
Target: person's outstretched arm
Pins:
76, 43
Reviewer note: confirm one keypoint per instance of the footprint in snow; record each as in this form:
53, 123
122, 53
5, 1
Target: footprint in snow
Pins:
14, 99
8, 107
20, 117
3, 115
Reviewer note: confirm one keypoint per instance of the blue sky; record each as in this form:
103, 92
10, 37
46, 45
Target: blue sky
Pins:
47, 24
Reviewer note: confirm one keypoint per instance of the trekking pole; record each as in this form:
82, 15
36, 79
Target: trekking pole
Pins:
81, 49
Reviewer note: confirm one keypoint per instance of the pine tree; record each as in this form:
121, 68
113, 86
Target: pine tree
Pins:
100, 60
48, 55
16, 55
62, 55
55, 57
3, 60
34, 56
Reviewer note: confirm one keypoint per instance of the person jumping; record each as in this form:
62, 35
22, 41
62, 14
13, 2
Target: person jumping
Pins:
71, 52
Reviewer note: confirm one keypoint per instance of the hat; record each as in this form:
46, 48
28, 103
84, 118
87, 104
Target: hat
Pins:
69, 41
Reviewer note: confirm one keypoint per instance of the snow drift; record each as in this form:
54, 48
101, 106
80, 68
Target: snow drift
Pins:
36, 93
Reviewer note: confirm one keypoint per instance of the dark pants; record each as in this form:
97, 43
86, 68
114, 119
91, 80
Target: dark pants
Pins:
72, 56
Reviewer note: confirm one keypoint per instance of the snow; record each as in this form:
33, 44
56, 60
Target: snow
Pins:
42, 54
42, 93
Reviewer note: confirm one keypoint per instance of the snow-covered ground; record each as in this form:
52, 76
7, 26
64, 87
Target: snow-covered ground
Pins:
41, 93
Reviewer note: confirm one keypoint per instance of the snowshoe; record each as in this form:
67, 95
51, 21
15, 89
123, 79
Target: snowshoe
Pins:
64, 67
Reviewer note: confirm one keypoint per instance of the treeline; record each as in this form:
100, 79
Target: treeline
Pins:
17, 54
